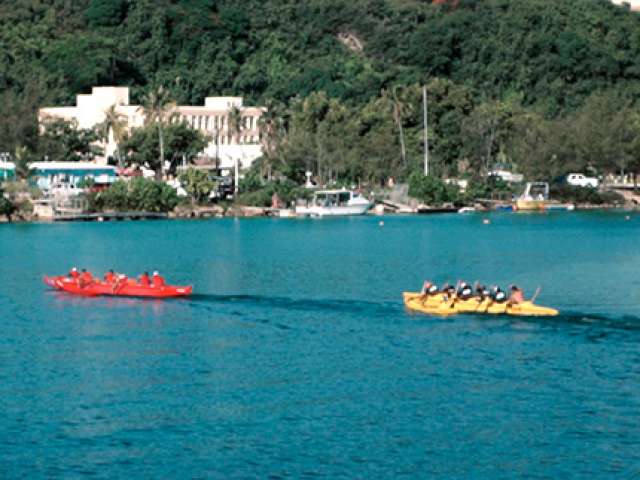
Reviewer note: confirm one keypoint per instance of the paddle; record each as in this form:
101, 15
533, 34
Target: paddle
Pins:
490, 302
454, 297
535, 295
480, 298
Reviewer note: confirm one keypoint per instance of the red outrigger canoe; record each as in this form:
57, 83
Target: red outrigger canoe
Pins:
130, 288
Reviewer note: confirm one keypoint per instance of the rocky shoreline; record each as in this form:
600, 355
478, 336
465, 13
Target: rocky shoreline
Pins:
246, 211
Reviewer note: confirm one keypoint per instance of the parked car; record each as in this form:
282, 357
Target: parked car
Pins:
581, 180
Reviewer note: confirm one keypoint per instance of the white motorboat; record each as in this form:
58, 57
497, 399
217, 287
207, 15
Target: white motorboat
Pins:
467, 210
334, 203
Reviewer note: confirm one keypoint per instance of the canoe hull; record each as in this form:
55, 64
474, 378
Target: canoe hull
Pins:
129, 289
435, 305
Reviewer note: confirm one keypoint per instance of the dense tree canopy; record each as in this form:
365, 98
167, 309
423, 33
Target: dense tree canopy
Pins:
347, 74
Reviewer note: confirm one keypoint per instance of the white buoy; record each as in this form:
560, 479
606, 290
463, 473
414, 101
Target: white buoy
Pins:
627, 217
486, 221
381, 223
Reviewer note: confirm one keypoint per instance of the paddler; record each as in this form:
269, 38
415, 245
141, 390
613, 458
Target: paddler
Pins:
110, 277
85, 278
449, 291
429, 288
465, 292
144, 279
517, 295
74, 273
498, 295
157, 280
120, 281
482, 292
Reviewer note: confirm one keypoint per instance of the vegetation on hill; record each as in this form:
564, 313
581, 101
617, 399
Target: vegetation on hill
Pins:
547, 85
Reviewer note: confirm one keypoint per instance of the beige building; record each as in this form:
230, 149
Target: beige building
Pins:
212, 119
634, 4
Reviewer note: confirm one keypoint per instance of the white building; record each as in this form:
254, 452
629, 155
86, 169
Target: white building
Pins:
634, 4
212, 119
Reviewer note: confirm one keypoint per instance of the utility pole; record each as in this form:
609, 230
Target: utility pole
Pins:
235, 177
426, 136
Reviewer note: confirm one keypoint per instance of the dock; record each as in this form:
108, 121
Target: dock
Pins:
107, 216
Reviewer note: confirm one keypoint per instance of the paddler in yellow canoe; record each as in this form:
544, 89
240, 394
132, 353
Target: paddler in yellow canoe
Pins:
428, 288
517, 296
488, 301
465, 292
498, 295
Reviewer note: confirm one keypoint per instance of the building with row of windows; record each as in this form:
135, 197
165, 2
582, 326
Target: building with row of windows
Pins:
225, 148
633, 4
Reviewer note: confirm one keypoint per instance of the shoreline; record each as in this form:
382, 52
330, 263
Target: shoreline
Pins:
244, 211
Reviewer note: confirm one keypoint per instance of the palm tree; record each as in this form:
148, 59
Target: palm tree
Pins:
399, 110
114, 124
235, 128
158, 108
235, 123
270, 125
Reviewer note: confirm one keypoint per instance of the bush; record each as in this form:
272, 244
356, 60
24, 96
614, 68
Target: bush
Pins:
575, 194
255, 192
486, 188
432, 190
139, 194
197, 184
7, 208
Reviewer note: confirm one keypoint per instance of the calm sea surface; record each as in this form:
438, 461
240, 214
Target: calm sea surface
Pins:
296, 357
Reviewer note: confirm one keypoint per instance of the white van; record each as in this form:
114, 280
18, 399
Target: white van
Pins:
581, 180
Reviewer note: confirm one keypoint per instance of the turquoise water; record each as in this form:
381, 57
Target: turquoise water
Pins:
296, 357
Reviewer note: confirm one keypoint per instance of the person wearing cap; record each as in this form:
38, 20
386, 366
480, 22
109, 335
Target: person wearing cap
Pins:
144, 279
157, 280
448, 291
517, 295
74, 273
120, 281
465, 291
498, 295
429, 288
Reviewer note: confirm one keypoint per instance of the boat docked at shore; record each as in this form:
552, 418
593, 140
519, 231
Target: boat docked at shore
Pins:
536, 198
335, 203
438, 305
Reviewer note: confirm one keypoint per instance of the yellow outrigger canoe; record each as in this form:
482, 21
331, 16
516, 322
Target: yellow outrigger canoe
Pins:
437, 305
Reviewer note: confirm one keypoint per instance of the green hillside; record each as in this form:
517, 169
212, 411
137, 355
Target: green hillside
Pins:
333, 66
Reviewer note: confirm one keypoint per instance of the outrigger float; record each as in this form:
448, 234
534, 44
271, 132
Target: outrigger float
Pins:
126, 288
436, 304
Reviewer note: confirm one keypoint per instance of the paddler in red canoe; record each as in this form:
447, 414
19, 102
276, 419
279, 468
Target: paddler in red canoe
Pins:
157, 280
110, 277
144, 279
120, 281
74, 273
85, 278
